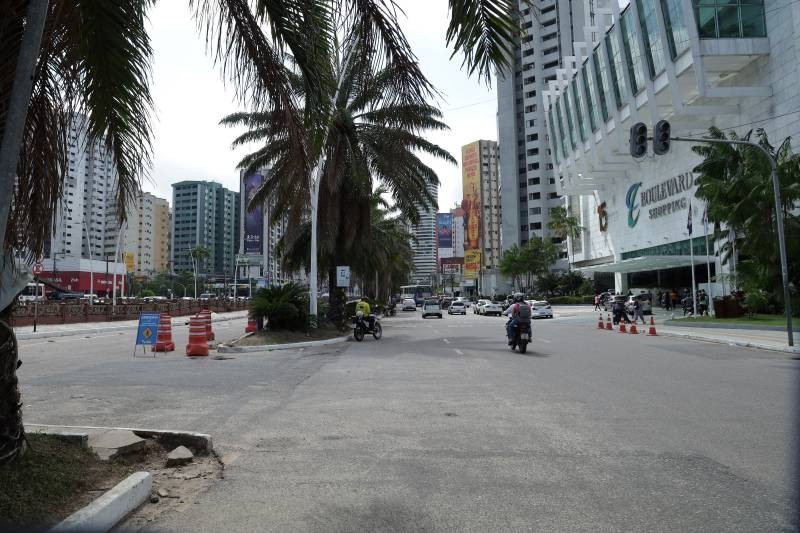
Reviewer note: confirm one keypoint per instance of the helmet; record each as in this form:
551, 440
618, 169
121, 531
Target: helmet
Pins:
518, 297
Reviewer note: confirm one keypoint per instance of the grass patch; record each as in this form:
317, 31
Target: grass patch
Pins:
756, 320
285, 337
53, 479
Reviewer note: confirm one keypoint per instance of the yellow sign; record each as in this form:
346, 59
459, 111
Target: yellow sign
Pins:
472, 264
471, 204
130, 264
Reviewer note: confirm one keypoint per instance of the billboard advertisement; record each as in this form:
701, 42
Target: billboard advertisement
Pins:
471, 204
444, 230
253, 220
451, 266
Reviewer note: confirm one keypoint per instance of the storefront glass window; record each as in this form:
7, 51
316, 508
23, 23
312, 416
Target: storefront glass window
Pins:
601, 76
653, 47
616, 64
673, 248
570, 124
591, 106
632, 52
730, 18
677, 33
576, 97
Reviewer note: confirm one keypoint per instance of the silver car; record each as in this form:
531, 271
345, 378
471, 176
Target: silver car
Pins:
541, 309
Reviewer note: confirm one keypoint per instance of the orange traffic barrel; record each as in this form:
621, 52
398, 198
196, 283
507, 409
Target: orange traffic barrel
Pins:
164, 341
251, 325
198, 343
207, 317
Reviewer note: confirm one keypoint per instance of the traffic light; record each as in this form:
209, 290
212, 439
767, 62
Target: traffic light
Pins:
661, 137
639, 140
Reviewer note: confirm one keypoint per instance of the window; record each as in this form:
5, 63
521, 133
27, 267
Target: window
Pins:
535, 210
535, 196
591, 99
532, 137
533, 181
632, 52
677, 34
730, 18
570, 124
553, 195
601, 76
653, 47
536, 225
616, 64
561, 133
576, 99
553, 137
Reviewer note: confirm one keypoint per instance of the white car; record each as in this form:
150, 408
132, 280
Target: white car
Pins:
431, 308
541, 309
478, 307
492, 308
457, 308
409, 304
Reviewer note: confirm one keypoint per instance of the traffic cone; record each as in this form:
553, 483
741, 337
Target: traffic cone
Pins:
251, 325
652, 331
600, 323
198, 343
164, 341
207, 317
622, 328
609, 326
633, 329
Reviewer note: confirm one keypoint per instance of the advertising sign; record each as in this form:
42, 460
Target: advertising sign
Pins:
148, 328
444, 230
129, 260
471, 204
342, 276
253, 220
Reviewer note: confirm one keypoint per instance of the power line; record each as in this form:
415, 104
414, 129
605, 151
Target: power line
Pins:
473, 104
757, 121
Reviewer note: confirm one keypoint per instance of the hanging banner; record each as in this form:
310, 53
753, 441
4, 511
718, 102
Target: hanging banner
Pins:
444, 230
253, 220
471, 204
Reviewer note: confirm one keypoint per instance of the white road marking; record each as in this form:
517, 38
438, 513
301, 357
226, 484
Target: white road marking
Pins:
459, 352
542, 340
446, 341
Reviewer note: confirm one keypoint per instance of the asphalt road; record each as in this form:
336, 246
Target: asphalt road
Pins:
439, 427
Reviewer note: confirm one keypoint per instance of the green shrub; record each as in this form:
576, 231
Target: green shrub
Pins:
757, 301
284, 307
147, 293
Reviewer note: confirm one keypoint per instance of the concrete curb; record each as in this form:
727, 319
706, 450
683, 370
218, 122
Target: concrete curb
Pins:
686, 323
90, 331
109, 509
742, 344
201, 443
274, 347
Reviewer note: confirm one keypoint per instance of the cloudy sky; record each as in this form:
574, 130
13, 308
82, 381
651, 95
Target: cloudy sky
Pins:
191, 98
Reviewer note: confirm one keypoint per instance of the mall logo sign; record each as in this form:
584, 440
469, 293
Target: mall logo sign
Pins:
662, 194
633, 207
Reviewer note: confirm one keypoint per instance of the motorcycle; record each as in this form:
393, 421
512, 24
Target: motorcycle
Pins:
520, 336
361, 327
392, 309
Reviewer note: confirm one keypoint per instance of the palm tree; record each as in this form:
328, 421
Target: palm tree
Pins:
564, 226
511, 265
198, 254
60, 57
375, 135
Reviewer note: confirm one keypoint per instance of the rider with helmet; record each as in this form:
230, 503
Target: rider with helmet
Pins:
363, 307
519, 312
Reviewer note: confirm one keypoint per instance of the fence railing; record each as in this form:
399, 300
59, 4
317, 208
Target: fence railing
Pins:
76, 312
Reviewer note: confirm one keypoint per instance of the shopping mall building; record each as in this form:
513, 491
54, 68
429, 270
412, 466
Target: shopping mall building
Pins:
696, 63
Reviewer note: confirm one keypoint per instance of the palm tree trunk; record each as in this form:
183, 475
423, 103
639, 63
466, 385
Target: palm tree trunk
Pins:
12, 431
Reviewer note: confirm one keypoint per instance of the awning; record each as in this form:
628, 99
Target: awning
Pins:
647, 263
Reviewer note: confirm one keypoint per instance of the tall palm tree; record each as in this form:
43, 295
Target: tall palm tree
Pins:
564, 226
375, 135
199, 254
61, 57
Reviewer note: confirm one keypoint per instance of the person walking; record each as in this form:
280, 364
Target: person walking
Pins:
597, 302
637, 312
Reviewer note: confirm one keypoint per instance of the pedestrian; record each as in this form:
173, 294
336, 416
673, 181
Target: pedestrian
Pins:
703, 303
637, 312
597, 302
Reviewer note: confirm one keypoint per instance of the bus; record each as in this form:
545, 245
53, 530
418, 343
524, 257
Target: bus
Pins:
32, 292
417, 292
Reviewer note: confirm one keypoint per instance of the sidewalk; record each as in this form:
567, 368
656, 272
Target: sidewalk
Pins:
44, 331
750, 338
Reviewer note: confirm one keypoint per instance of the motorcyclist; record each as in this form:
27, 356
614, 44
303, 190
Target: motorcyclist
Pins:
363, 307
519, 312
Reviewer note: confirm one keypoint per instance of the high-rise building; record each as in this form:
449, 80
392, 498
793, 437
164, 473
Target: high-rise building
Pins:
490, 209
204, 214
528, 186
425, 261
145, 235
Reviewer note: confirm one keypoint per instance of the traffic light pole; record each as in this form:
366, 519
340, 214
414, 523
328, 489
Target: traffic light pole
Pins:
778, 219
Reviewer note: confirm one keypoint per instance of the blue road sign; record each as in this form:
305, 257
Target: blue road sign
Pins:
148, 328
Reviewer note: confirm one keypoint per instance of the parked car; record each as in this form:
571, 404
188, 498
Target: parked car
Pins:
206, 296
644, 303
457, 308
492, 308
409, 304
431, 307
477, 309
63, 295
541, 309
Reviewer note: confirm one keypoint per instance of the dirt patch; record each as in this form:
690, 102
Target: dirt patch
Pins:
286, 337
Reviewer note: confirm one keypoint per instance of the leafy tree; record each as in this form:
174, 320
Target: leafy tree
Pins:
564, 226
735, 182
511, 265
284, 307
548, 283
